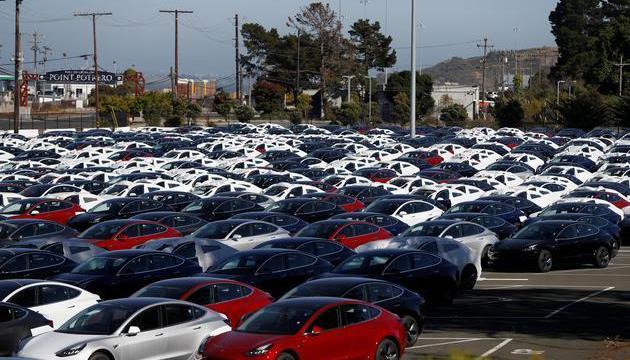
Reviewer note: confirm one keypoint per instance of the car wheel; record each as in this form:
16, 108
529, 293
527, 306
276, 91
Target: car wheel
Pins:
99, 356
412, 329
469, 277
602, 257
484, 257
285, 356
545, 261
387, 350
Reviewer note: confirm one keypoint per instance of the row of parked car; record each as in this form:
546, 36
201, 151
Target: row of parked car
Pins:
156, 243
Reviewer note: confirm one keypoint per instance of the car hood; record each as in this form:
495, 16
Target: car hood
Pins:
240, 342
46, 345
516, 244
75, 279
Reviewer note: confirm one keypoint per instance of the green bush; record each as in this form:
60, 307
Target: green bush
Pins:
295, 117
244, 113
454, 115
173, 121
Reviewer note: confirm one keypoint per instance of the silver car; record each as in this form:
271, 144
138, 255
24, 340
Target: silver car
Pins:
206, 253
240, 234
129, 329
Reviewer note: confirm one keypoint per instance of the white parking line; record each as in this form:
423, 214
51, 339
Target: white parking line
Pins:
443, 343
555, 312
502, 279
495, 349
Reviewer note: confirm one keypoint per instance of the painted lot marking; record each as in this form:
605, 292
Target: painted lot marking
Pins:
555, 312
451, 341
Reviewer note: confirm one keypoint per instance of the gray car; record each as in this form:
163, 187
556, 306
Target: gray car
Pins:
206, 253
240, 234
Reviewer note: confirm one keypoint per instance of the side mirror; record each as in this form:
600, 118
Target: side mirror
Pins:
449, 237
244, 318
315, 331
35, 212
403, 213
122, 237
237, 237
133, 331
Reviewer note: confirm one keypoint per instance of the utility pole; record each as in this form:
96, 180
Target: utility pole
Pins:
239, 77
349, 78
558, 91
516, 31
175, 74
249, 88
412, 102
299, 36
369, 78
621, 65
36, 40
97, 102
484, 63
17, 76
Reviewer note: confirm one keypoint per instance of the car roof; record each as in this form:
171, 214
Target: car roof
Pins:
188, 282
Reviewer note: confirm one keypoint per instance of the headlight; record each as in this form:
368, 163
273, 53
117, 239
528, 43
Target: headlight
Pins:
71, 350
261, 350
531, 248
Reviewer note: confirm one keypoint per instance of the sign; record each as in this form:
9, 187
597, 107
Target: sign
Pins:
80, 77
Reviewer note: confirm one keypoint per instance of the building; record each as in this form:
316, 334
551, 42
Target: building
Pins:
196, 89
452, 93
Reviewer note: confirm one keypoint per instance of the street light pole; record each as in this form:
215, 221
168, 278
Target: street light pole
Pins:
17, 77
558, 91
412, 102
369, 98
349, 78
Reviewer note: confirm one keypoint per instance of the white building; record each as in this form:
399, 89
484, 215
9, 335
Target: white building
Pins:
465, 95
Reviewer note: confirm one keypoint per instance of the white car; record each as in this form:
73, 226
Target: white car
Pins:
408, 211
283, 191
240, 234
129, 329
56, 301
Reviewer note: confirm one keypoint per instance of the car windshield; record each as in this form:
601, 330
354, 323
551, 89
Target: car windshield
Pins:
240, 262
278, 319
426, 229
561, 209
6, 230
466, 208
363, 264
101, 265
115, 190
17, 207
275, 190
385, 207
103, 207
285, 206
159, 291
315, 289
102, 231
216, 230
35, 191
540, 231
319, 230
194, 206
100, 319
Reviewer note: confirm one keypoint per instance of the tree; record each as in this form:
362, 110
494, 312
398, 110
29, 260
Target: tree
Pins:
349, 113
224, 110
399, 83
304, 105
244, 113
268, 96
373, 47
454, 115
509, 112
586, 110
156, 106
401, 107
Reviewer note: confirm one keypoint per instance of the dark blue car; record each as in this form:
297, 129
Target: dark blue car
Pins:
119, 274
505, 211
288, 222
32, 264
497, 225
325, 249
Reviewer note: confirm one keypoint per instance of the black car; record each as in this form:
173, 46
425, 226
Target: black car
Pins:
91, 186
275, 271
32, 264
177, 200
264, 181
289, 223
497, 225
363, 193
582, 208
394, 298
220, 207
387, 222
309, 210
121, 273
16, 324
120, 208
524, 205
14, 231
505, 211
460, 168
331, 251
184, 223
543, 244
433, 277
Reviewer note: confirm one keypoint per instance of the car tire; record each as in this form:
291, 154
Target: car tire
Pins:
387, 350
544, 261
99, 356
602, 257
413, 329
469, 277
485, 261
285, 356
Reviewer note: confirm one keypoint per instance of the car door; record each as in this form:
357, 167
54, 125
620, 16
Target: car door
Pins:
325, 338
150, 342
134, 275
42, 265
568, 246
58, 303
399, 271
58, 211
181, 332
587, 241
225, 298
357, 329
12, 328
270, 276
164, 266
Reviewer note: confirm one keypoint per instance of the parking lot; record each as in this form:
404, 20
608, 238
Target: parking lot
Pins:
565, 314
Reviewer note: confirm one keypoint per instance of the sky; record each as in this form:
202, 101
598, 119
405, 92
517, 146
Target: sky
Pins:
137, 34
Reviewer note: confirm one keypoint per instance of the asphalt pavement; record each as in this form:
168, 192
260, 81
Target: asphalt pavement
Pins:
567, 314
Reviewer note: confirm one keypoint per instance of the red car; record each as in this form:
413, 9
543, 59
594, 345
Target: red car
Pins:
376, 174
430, 157
59, 211
126, 234
347, 203
347, 232
231, 298
312, 329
